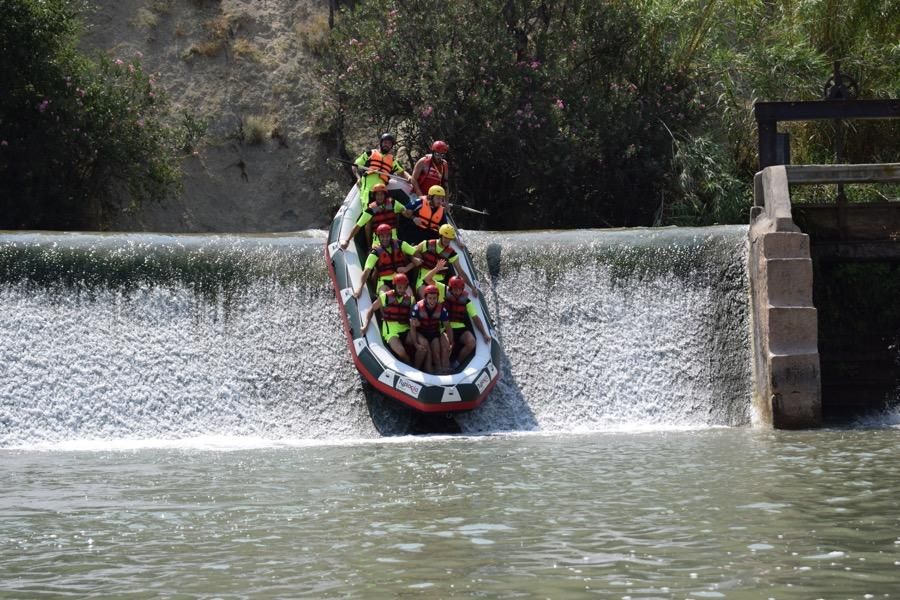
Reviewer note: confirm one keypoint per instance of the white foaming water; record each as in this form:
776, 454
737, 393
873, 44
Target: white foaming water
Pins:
229, 342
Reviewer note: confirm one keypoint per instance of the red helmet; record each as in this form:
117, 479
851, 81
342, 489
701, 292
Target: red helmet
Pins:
440, 146
456, 283
383, 228
430, 289
400, 277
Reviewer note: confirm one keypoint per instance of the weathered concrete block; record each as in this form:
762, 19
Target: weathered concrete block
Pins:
783, 244
789, 281
795, 395
793, 330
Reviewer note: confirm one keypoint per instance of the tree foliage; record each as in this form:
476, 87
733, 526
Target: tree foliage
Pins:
581, 113
556, 113
76, 135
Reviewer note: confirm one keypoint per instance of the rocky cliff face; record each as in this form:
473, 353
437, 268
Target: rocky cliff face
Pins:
240, 65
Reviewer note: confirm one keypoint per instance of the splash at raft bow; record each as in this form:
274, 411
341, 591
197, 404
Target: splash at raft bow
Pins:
465, 386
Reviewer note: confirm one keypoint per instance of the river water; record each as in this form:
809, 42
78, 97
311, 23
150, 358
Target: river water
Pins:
179, 418
706, 513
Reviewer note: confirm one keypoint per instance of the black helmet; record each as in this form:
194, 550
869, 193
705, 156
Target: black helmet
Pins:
388, 136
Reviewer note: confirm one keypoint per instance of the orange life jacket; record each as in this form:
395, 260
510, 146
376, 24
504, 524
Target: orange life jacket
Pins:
381, 164
389, 259
432, 174
426, 218
395, 308
430, 256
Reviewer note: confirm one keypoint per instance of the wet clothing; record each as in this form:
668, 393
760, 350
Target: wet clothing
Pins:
432, 174
458, 307
386, 212
386, 261
430, 323
381, 166
430, 251
395, 314
427, 220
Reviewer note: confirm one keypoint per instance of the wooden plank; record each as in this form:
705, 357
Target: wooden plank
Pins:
826, 109
862, 173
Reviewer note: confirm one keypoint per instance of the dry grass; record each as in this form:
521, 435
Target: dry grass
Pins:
244, 48
218, 30
313, 32
146, 19
255, 129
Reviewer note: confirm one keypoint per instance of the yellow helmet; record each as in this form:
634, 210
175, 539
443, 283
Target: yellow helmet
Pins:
446, 230
379, 187
436, 190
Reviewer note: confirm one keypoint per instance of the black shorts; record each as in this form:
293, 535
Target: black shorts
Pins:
430, 336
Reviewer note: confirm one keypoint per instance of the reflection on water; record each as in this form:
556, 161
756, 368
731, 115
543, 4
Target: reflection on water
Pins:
703, 514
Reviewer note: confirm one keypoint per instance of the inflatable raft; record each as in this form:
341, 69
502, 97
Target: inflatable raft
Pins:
464, 388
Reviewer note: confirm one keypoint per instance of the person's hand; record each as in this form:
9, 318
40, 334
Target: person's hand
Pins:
474, 292
441, 264
344, 244
357, 293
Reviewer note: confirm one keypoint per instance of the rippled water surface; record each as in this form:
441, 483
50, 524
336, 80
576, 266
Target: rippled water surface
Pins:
715, 513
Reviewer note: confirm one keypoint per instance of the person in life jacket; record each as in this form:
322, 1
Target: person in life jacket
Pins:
430, 251
387, 258
377, 166
459, 307
428, 321
431, 169
396, 308
427, 214
383, 209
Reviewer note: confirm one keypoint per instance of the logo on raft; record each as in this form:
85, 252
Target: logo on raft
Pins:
408, 387
482, 381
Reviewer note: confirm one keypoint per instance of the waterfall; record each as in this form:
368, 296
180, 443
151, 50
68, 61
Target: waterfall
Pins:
147, 336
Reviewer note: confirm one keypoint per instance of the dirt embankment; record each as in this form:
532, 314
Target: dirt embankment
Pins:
241, 66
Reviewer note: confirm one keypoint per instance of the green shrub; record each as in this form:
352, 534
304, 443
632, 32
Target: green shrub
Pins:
555, 113
77, 137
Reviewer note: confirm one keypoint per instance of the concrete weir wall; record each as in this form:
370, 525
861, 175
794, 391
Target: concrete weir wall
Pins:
787, 383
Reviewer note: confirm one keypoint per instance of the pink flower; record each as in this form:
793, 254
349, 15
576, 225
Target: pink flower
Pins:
560, 104
131, 68
4, 143
427, 112
139, 122
535, 64
43, 105
354, 42
119, 62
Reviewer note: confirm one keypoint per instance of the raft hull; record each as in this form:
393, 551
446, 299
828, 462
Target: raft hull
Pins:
463, 390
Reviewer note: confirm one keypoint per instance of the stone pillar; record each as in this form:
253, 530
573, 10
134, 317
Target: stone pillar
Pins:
787, 385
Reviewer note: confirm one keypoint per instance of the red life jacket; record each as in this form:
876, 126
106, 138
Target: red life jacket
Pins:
432, 174
428, 322
395, 308
430, 256
384, 213
426, 218
456, 307
380, 163
389, 259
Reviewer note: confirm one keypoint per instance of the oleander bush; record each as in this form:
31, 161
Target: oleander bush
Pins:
582, 113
